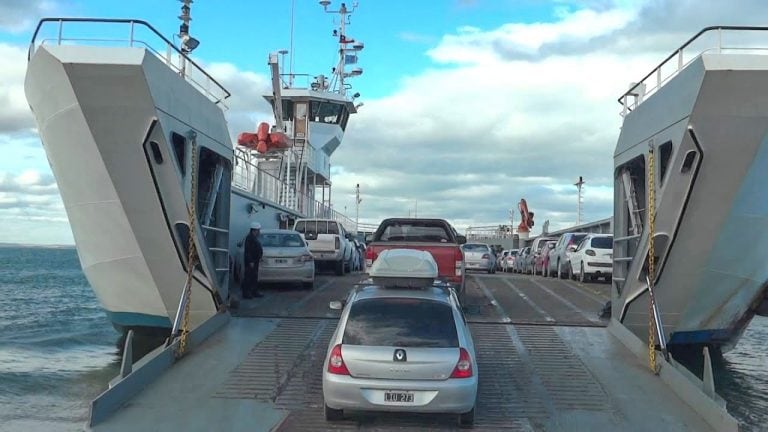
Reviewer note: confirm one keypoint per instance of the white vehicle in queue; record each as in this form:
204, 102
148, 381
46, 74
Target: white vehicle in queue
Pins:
329, 243
286, 258
402, 344
593, 258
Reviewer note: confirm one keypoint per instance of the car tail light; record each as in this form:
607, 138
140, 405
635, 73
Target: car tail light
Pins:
463, 367
370, 256
458, 256
336, 362
305, 258
486, 256
337, 243
590, 252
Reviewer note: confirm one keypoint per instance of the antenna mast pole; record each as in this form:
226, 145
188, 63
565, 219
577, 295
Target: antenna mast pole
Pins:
357, 207
185, 18
579, 184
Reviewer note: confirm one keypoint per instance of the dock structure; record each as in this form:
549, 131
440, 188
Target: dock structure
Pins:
496, 235
547, 362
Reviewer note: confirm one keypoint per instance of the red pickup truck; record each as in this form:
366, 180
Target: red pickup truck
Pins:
435, 236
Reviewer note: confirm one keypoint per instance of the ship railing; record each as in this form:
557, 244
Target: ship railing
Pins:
131, 33
249, 177
717, 39
308, 82
489, 232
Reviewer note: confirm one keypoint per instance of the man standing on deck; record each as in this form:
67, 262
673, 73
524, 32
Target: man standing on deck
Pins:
252, 255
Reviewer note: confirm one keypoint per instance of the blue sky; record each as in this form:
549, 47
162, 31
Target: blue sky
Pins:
470, 105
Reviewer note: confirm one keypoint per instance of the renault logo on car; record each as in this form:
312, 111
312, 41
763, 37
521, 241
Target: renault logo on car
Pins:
400, 355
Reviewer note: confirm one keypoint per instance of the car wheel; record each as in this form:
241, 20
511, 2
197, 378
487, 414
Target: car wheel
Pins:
582, 279
559, 271
333, 414
608, 279
467, 419
340, 268
308, 285
570, 272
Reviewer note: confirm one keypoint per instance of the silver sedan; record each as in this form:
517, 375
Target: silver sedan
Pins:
401, 350
286, 258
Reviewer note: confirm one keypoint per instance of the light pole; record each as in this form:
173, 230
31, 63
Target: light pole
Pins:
358, 200
579, 184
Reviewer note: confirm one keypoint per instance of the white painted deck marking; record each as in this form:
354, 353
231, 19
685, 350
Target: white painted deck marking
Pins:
567, 303
598, 299
499, 310
530, 302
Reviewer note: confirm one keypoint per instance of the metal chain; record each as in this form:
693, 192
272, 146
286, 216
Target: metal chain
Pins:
651, 258
192, 252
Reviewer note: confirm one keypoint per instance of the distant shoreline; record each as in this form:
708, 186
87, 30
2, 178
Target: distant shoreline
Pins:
40, 246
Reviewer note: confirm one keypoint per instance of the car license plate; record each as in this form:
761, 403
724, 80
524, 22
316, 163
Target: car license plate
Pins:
281, 261
402, 397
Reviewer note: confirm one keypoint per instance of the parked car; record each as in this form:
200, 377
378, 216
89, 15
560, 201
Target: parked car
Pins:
536, 249
329, 243
593, 258
478, 256
542, 258
286, 258
500, 258
435, 236
508, 262
520, 262
403, 350
559, 257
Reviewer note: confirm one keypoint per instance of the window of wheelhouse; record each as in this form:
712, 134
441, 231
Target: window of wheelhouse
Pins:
287, 109
327, 112
344, 118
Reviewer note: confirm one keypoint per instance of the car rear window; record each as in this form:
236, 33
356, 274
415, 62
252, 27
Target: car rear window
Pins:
513, 253
403, 322
576, 239
281, 240
420, 231
602, 242
475, 247
317, 227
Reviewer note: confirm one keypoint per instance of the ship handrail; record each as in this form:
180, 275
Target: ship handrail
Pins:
170, 46
637, 89
246, 174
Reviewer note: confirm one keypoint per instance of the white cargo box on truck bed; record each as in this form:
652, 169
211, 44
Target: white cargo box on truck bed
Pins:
404, 268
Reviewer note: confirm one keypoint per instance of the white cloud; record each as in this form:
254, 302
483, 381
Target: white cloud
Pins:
15, 115
471, 45
19, 15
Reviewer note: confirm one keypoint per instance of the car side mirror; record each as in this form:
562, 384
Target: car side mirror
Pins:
337, 304
306, 243
571, 248
369, 238
460, 239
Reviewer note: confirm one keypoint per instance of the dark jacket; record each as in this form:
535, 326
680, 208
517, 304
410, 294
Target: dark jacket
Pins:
253, 250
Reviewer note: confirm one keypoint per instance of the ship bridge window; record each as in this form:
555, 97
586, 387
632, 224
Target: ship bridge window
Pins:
287, 109
327, 112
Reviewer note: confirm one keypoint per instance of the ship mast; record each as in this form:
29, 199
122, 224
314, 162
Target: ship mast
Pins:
187, 43
348, 47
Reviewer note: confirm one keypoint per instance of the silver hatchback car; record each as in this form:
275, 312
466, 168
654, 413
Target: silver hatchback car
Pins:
406, 350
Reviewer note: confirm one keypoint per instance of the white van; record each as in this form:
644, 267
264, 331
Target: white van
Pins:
329, 243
